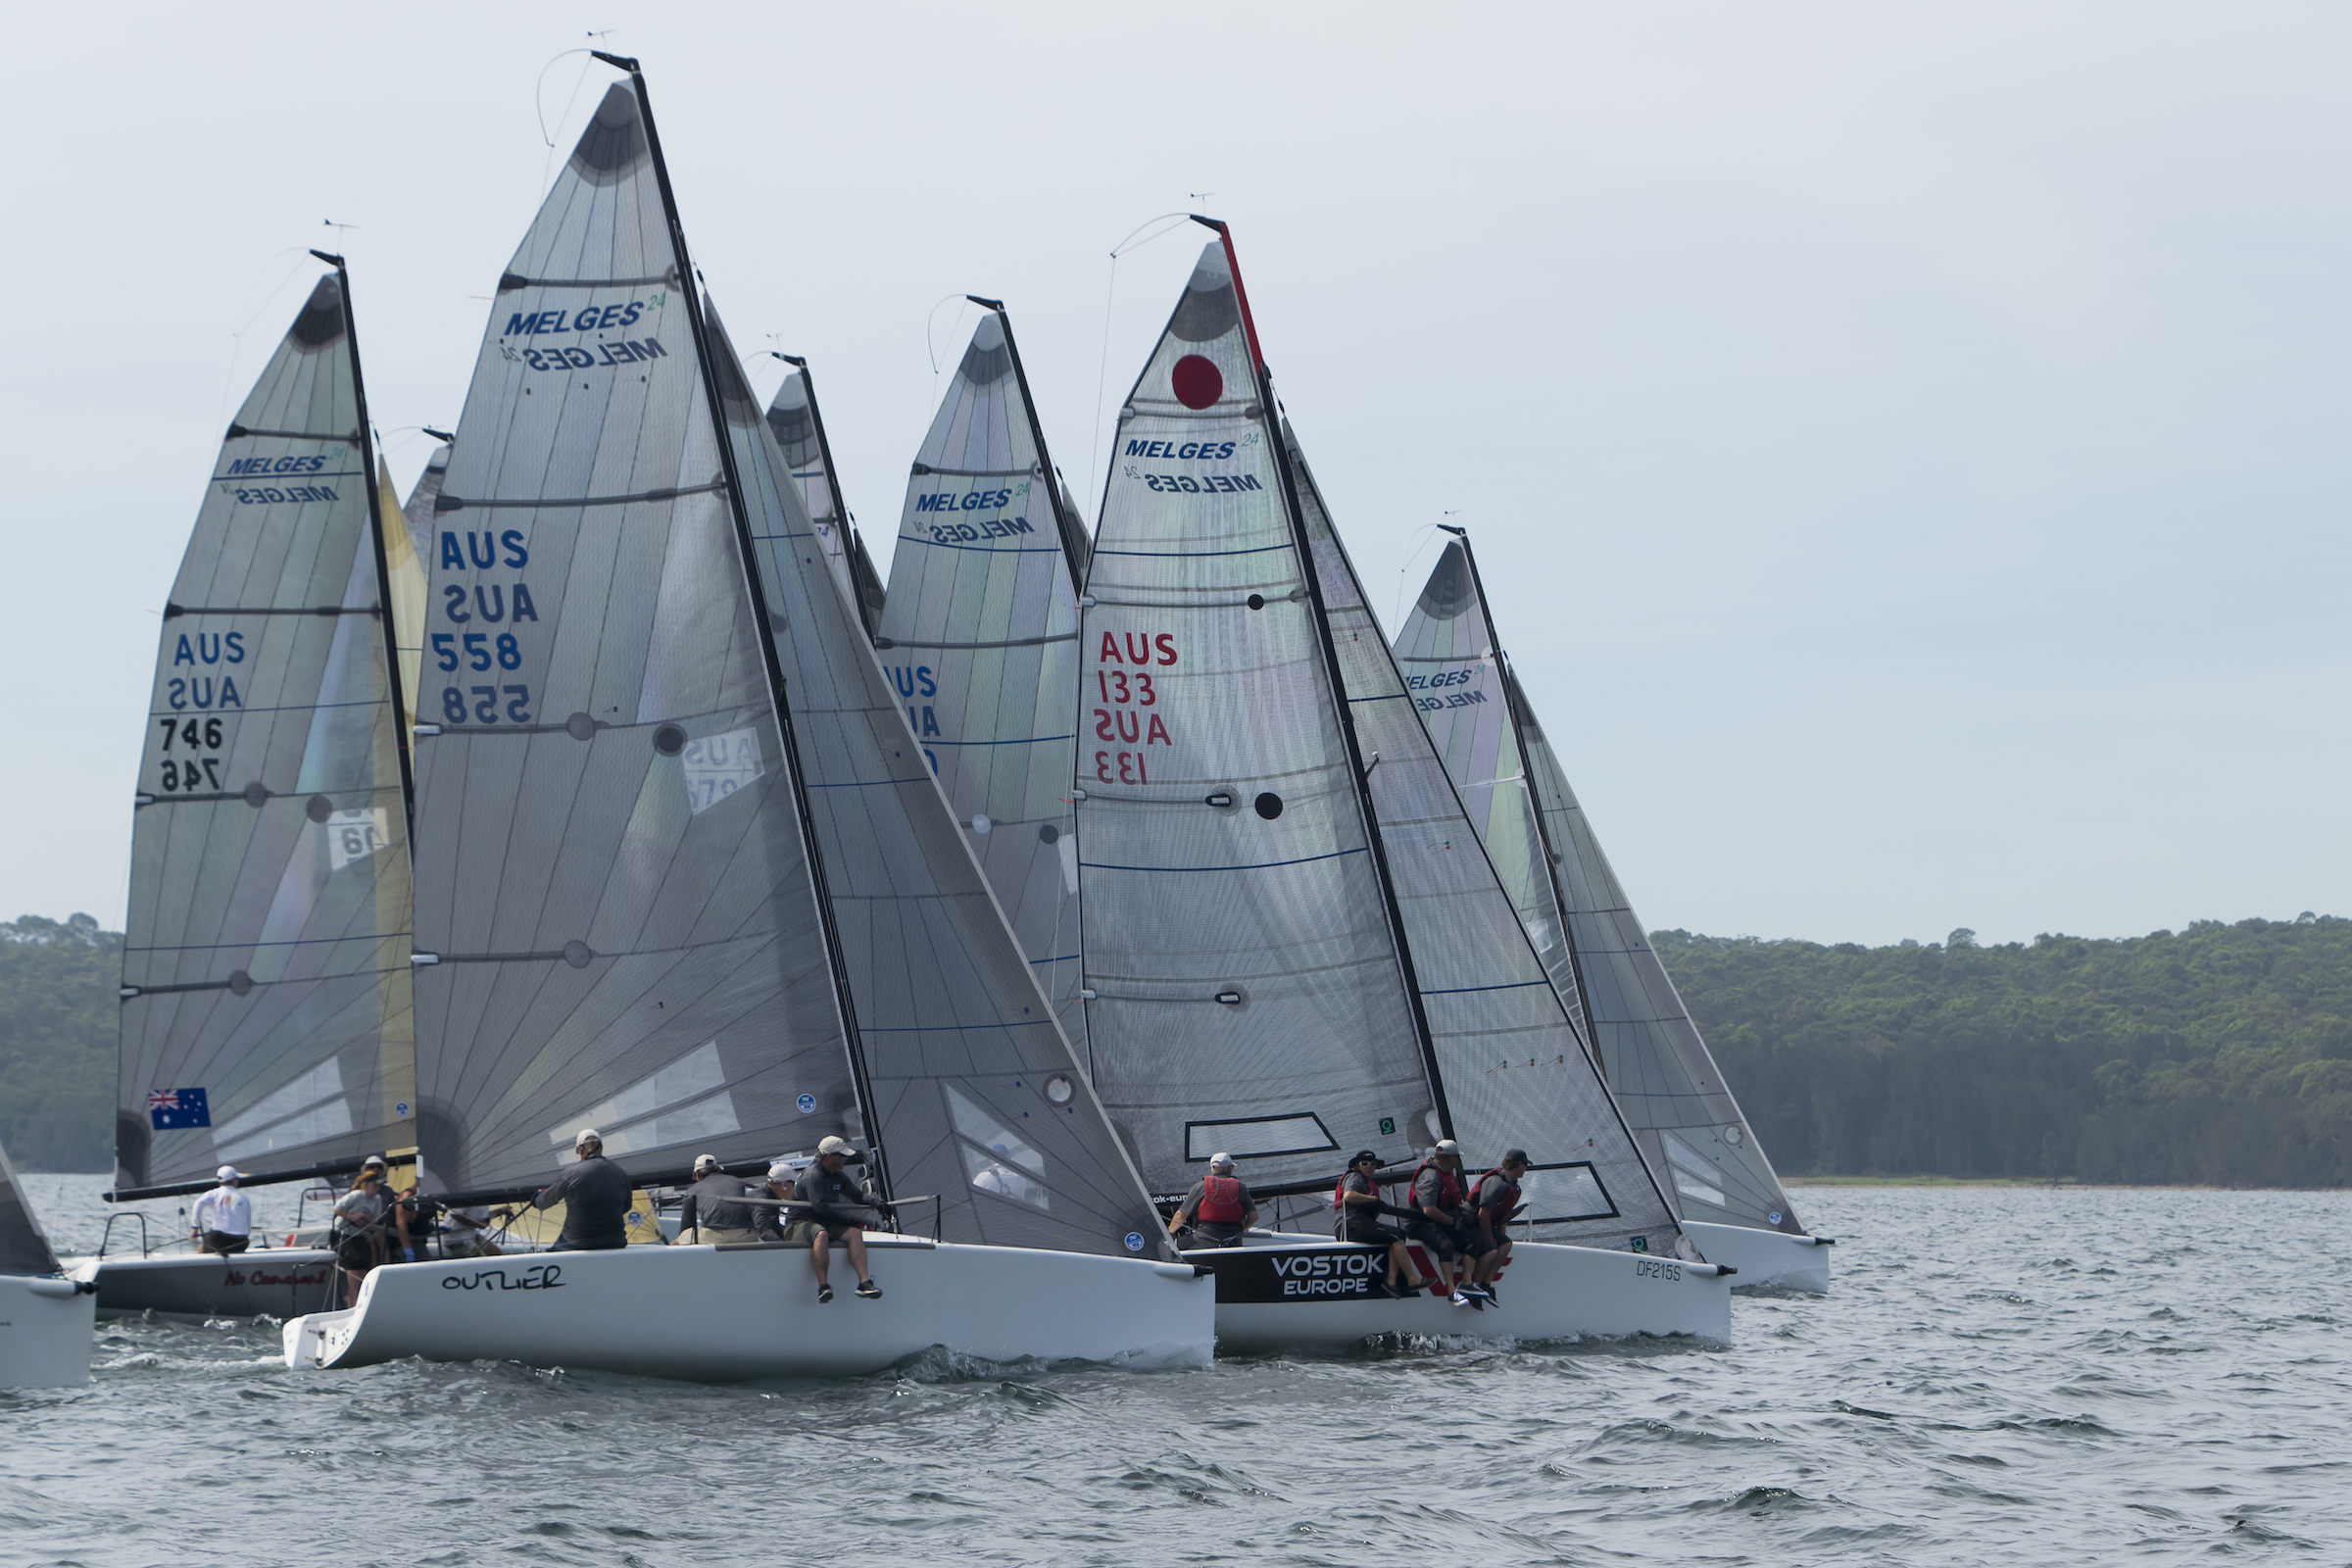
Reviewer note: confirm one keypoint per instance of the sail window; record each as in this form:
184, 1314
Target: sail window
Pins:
1561, 1193
355, 834
1295, 1133
1695, 1177
674, 1101
310, 1108
994, 1158
717, 766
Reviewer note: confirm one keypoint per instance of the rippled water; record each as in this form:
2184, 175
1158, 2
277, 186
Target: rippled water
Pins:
2001, 1376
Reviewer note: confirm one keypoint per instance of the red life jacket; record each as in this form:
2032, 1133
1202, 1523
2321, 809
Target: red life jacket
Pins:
1510, 1198
1450, 1188
1220, 1201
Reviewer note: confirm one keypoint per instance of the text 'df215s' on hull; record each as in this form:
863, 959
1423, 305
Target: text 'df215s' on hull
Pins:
728, 1313
1283, 1292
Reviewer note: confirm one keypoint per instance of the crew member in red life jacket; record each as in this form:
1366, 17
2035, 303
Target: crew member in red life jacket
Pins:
1445, 1226
1357, 1198
1493, 1201
1218, 1209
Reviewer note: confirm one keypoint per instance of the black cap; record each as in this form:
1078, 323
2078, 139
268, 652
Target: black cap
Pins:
1363, 1155
1510, 1155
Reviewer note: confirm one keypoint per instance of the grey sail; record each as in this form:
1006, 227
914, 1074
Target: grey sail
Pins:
979, 633
1515, 1071
1658, 1066
976, 1095
1246, 991
616, 917
23, 1245
799, 427
266, 1018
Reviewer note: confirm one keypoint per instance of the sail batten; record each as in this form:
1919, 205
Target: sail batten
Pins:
1576, 911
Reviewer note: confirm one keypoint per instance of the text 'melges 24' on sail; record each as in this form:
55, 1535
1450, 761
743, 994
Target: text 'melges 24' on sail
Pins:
980, 637
1255, 944
265, 1012
1663, 1076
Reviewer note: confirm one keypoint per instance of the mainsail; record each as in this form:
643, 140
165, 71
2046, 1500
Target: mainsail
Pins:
1660, 1068
266, 1001
980, 636
23, 1245
1254, 950
681, 912
799, 427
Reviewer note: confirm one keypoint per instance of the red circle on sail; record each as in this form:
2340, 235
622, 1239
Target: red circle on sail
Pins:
1197, 381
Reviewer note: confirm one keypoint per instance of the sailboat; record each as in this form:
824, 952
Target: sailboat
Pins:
265, 1006
46, 1318
684, 878
1577, 915
980, 635
799, 427
1294, 942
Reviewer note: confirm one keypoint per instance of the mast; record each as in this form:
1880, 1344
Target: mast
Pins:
383, 566
690, 286
1551, 858
1070, 531
1338, 689
853, 548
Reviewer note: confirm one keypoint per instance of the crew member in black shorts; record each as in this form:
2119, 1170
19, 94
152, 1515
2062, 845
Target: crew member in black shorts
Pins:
1359, 1204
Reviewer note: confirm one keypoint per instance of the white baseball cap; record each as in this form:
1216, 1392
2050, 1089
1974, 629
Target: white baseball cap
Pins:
1446, 1145
834, 1145
704, 1163
588, 1135
780, 1171
226, 1173
1220, 1162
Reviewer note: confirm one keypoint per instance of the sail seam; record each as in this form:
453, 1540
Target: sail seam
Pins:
173, 612
237, 433
1010, 642
1257, 866
445, 501
1193, 555
510, 283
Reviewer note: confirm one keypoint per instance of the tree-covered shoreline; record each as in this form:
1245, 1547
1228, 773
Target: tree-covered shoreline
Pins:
2218, 1055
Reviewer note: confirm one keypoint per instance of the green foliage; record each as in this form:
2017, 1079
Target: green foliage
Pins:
2219, 1054
57, 1043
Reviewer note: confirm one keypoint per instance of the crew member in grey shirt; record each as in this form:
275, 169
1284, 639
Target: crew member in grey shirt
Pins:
713, 1213
595, 1195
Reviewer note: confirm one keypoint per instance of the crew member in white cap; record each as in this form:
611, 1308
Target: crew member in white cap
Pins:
712, 1214
595, 1195
1218, 1210
223, 1219
838, 1206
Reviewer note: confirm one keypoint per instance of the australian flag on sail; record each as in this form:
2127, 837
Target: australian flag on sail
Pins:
171, 1108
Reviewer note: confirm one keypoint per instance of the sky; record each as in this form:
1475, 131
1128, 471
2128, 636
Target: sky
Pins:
1906, 446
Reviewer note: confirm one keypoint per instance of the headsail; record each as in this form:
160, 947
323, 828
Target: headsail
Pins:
1660, 1068
266, 1017
618, 923
404, 574
975, 1094
799, 431
23, 1245
1515, 1070
980, 636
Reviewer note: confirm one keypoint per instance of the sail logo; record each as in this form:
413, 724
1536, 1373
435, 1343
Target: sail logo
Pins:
594, 318
1444, 677
1331, 1274
970, 501
1176, 449
255, 465
630, 351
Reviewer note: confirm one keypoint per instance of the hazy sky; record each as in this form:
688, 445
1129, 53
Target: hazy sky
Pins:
1907, 448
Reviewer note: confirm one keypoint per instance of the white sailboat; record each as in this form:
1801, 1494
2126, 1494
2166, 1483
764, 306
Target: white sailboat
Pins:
46, 1316
1293, 944
265, 1014
979, 632
683, 877
1542, 843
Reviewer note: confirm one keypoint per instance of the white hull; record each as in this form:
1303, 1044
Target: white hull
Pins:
719, 1314
1765, 1259
274, 1282
46, 1328
1285, 1292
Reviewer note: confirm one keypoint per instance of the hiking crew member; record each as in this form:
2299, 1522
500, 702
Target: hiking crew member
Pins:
1493, 1201
838, 1206
710, 1214
223, 1221
359, 1228
1438, 1200
1357, 1198
1218, 1210
775, 1221
595, 1195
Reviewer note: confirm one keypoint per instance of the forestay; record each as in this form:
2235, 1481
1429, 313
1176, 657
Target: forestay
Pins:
974, 1093
618, 918
1246, 992
265, 1012
980, 637
1664, 1079
1515, 1072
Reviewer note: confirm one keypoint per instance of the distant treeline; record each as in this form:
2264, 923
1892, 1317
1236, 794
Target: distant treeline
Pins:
2222, 1053
58, 988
